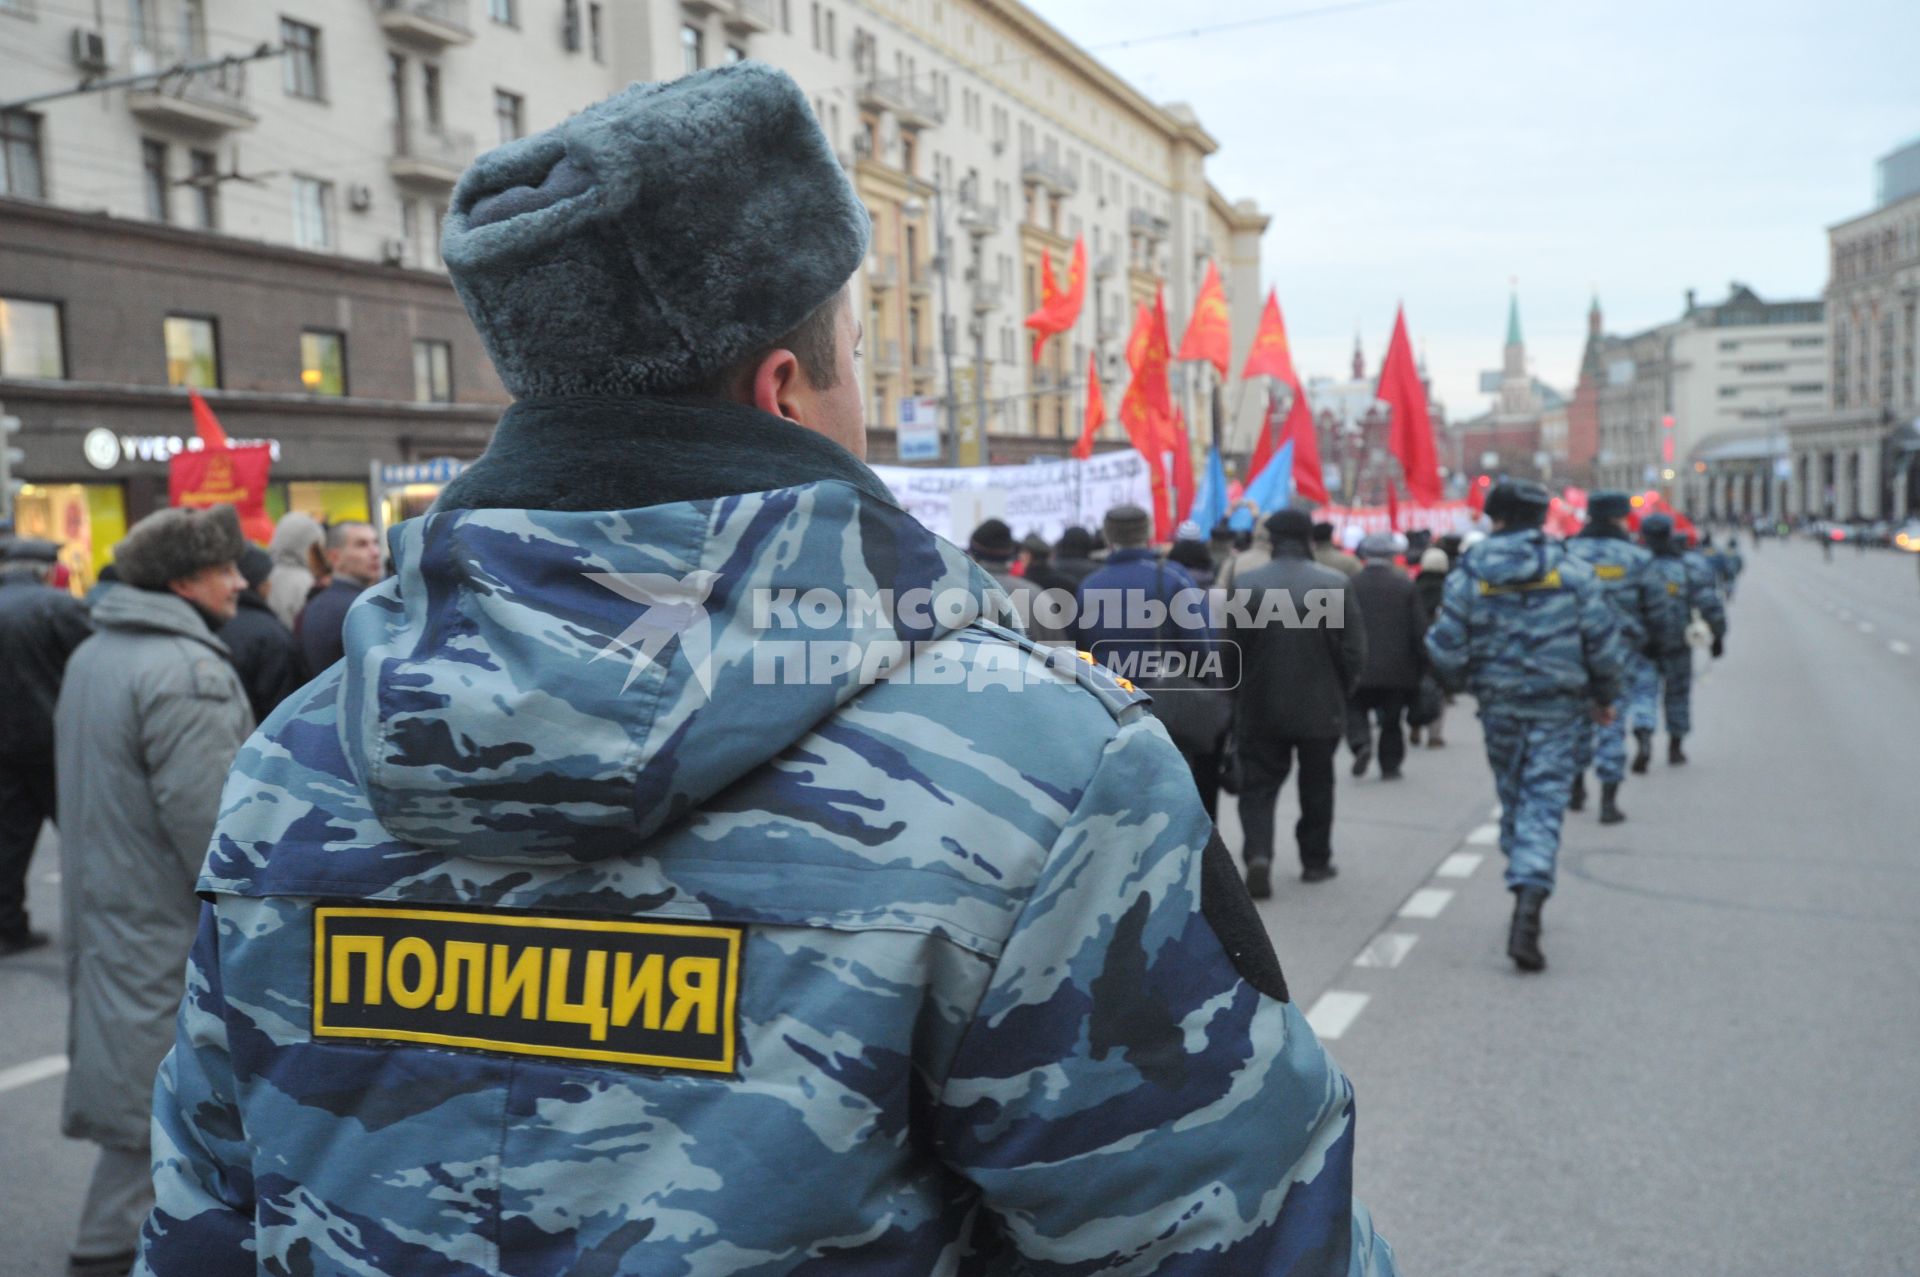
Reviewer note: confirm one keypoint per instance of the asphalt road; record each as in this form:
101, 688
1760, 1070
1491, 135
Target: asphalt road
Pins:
1720, 1071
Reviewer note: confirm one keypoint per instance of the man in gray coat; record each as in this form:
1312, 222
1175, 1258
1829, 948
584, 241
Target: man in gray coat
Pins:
149, 718
1296, 672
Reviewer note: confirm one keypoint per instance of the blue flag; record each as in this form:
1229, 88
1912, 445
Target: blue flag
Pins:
1271, 489
1210, 502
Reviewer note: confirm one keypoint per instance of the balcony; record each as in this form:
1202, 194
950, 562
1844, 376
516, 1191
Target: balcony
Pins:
884, 356
986, 298
923, 361
431, 157
749, 17
1045, 170
1107, 266
920, 278
201, 101
883, 272
978, 220
913, 107
1151, 225
434, 23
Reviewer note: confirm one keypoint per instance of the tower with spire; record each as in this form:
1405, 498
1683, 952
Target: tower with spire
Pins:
1517, 397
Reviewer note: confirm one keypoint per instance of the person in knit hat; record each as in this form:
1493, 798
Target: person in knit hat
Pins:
689, 856
149, 718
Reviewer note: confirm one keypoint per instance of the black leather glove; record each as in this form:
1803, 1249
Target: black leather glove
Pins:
1719, 648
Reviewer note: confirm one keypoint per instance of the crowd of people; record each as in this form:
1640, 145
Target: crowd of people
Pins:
1565, 646
125, 712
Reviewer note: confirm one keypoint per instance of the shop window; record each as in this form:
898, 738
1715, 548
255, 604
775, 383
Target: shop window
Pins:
30, 344
193, 353
87, 519
432, 371
323, 362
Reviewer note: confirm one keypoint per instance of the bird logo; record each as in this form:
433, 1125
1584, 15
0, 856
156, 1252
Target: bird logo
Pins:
674, 607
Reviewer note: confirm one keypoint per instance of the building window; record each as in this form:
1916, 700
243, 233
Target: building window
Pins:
312, 213
691, 57
572, 35
432, 371
735, 54
30, 343
20, 168
300, 65
430, 95
833, 42
816, 28
505, 12
596, 33
323, 362
509, 114
153, 179
204, 168
786, 17
193, 355
193, 28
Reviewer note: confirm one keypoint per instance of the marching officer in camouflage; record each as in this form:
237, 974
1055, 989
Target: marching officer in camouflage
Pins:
1621, 568
684, 871
1682, 585
1526, 628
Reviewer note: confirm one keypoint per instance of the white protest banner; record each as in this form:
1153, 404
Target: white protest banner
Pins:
1045, 497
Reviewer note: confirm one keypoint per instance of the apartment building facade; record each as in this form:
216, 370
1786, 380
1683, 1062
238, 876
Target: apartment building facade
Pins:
965, 123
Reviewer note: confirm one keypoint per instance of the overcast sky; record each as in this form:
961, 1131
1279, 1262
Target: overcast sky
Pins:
1433, 150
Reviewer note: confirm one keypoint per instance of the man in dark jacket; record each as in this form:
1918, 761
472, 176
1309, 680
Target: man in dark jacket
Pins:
39, 628
1297, 670
263, 651
353, 552
1396, 628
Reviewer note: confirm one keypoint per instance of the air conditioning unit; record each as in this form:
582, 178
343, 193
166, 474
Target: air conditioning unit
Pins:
89, 48
396, 252
359, 197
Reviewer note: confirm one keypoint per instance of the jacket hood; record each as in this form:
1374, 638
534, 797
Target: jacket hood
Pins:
540, 685
117, 606
1509, 558
293, 537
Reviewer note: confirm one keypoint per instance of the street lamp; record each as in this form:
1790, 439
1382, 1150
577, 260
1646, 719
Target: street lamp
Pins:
942, 249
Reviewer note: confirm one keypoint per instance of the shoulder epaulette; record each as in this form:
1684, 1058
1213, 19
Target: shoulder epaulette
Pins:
1117, 694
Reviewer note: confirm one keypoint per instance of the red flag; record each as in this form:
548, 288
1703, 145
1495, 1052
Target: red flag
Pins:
1411, 437
224, 476
1270, 356
1059, 308
1096, 411
1269, 441
205, 424
1207, 331
1146, 410
1393, 507
1183, 487
1309, 479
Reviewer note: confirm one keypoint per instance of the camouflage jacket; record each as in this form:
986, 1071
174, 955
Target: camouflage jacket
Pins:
1622, 569
1682, 585
560, 929
1525, 626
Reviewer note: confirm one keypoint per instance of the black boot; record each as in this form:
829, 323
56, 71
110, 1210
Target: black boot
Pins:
1610, 813
1577, 800
1675, 755
1523, 941
1260, 879
1643, 750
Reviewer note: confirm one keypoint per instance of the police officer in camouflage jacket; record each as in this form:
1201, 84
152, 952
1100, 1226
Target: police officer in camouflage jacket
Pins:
1524, 625
1623, 571
1682, 585
685, 871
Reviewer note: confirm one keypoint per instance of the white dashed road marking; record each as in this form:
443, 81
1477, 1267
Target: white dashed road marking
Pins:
1484, 836
1388, 949
1426, 903
1898, 648
32, 1071
1866, 627
1460, 864
1334, 1012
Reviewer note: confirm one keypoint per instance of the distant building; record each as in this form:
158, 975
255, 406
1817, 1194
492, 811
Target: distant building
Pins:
1354, 428
1860, 456
1698, 407
1507, 438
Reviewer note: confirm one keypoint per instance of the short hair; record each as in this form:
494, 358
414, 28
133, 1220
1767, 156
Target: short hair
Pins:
337, 532
1323, 532
815, 343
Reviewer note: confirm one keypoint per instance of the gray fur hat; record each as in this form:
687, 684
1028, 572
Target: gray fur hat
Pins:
655, 239
174, 543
